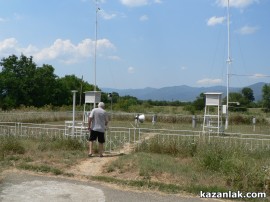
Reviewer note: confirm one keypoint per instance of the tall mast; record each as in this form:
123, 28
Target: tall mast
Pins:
229, 61
95, 51
95, 54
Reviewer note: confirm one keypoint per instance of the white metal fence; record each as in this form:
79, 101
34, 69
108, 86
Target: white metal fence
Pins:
120, 138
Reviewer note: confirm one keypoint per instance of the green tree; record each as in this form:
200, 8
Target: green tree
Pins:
17, 81
266, 98
196, 105
69, 83
199, 103
248, 95
237, 102
23, 83
45, 86
124, 103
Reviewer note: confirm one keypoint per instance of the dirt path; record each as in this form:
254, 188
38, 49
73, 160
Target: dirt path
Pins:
93, 166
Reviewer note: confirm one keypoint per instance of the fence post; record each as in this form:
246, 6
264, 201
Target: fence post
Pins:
194, 121
254, 123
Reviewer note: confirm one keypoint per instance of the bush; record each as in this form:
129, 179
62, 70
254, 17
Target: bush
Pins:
241, 170
11, 145
67, 144
172, 147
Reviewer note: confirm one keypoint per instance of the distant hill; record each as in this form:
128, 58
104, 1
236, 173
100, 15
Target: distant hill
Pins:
182, 93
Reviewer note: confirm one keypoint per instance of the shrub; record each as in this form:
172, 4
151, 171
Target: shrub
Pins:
11, 145
67, 144
173, 146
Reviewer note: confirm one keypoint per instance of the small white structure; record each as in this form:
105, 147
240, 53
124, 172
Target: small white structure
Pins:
212, 120
91, 97
79, 128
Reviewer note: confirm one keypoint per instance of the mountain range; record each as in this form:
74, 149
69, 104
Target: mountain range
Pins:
182, 93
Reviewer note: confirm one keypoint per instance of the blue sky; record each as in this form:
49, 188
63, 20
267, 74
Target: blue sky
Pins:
142, 43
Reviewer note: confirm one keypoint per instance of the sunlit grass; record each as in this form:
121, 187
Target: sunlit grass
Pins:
214, 166
171, 167
42, 155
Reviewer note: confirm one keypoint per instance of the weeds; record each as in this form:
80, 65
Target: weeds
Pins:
60, 144
241, 169
26, 154
40, 168
167, 188
10, 145
184, 164
173, 146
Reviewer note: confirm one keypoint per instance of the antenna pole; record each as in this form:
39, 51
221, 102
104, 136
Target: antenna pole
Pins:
95, 54
229, 61
95, 51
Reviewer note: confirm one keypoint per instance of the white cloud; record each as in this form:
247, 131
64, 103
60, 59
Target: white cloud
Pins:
236, 3
137, 3
209, 81
215, 20
247, 30
144, 18
131, 70
107, 16
8, 44
61, 50
258, 75
134, 3
3, 20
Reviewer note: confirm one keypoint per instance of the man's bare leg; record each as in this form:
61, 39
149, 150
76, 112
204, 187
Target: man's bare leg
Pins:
100, 149
90, 151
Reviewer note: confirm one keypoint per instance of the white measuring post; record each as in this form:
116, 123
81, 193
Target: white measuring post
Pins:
73, 113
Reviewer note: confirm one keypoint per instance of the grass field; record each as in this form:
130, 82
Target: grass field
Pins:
168, 167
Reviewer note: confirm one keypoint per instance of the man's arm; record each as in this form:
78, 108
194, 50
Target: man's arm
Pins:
106, 120
89, 122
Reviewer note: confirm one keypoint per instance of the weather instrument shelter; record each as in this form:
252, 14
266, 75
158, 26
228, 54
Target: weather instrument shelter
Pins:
91, 97
212, 120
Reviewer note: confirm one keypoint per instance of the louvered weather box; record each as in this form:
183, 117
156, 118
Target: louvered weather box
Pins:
212, 121
213, 99
91, 97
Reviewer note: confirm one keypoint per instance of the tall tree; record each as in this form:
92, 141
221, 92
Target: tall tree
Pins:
248, 95
199, 103
23, 83
17, 80
69, 83
266, 98
45, 86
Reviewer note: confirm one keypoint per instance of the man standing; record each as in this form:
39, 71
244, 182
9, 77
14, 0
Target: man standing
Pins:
98, 121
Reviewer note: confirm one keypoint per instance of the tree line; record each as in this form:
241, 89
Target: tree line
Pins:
23, 83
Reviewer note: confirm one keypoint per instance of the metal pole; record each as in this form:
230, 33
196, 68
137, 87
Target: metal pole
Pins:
81, 91
229, 61
95, 53
73, 114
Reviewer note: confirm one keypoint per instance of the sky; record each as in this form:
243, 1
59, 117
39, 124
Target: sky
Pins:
142, 43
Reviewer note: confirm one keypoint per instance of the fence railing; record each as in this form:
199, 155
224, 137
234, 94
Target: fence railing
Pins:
120, 139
